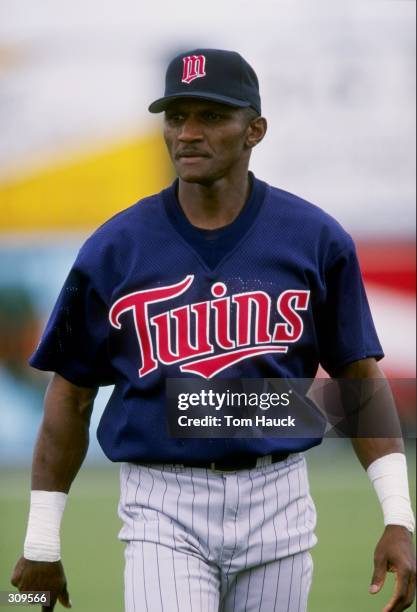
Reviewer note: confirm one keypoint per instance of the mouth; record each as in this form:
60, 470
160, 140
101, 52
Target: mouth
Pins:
191, 156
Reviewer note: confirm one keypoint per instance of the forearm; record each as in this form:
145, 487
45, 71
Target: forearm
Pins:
60, 450
383, 458
63, 437
369, 450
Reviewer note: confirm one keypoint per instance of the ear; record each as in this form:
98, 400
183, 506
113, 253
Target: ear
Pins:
256, 131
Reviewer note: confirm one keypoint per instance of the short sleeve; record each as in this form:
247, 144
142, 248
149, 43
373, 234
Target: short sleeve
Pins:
344, 325
74, 343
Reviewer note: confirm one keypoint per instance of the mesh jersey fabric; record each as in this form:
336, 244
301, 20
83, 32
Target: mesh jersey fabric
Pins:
284, 245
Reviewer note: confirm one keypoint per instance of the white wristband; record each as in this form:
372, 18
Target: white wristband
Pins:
388, 475
42, 542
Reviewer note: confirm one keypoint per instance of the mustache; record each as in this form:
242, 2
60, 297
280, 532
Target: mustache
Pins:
190, 153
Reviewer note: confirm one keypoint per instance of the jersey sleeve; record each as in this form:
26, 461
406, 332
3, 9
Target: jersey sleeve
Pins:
345, 329
74, 343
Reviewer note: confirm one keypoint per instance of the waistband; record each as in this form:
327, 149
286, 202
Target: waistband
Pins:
232, 465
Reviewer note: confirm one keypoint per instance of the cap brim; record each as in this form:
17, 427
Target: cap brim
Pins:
161, 104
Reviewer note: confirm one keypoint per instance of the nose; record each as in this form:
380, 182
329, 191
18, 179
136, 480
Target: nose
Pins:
190, 131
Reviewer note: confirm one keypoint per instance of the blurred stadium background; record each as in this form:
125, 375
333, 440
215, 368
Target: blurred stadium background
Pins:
77, 144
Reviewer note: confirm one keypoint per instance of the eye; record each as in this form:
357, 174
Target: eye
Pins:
174, 118
212, 116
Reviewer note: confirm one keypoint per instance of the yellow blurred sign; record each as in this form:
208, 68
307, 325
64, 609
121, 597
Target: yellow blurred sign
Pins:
83, 192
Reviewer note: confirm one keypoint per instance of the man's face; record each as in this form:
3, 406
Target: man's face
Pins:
205, 139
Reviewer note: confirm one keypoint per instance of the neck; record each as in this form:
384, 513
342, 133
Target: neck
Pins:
216, 204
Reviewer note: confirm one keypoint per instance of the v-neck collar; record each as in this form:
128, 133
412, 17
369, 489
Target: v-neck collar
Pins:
213, 245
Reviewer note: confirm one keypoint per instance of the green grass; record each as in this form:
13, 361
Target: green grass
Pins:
349, 526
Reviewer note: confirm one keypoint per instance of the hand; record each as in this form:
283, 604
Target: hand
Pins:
394, 553
42, 576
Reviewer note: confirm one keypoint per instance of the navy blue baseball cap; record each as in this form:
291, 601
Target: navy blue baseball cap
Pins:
210, 74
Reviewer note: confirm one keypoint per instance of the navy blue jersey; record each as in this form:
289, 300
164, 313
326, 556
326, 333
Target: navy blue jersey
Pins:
274, 294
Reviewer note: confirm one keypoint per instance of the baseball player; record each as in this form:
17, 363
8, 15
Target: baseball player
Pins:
218, 276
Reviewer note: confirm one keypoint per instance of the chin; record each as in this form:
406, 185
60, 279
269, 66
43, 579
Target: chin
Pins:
191, 178
192, 175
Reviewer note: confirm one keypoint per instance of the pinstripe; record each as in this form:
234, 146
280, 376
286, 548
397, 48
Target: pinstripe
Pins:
302, 557
147, 503
276, 517
189, 585
247, 591
126, 485
144, 581
151, 489
178, 502
208, 533
262, 542
292, 561
129, 583
137, 489
159, 574
133, 570
262, 589
163, 501
213, 598
234, 594
259, 580
199, 572
290, 589
234, 550
125, 493
305, 583
304, 493
179, 494
285, 509
298, 511
208, 509
302, 583
279, 579
208, 585
174, 540
133, 582
235, 521
263, 522
193, 501
175, 579
250, 507
192, 524
223, 516
277, 586
164, 493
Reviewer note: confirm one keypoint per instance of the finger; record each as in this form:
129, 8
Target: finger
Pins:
411, 588
15, 579
64, 598
17, 574
378, 577
51, 606
398, 600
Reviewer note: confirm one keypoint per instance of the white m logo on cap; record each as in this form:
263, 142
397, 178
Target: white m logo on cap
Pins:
194, 68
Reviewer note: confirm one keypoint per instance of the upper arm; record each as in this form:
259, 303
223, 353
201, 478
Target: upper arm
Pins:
344, 326
362, 368
75, 340
62, 396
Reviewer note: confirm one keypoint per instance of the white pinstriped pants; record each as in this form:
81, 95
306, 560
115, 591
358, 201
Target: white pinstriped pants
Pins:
204, 541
